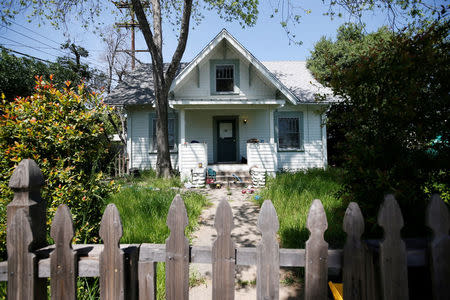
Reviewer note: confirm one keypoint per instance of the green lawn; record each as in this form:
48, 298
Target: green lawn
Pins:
292, 195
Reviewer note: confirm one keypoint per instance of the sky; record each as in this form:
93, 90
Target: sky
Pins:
267, 40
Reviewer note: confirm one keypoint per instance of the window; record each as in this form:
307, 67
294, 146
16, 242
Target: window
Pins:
225, 78
172, 138
289, 130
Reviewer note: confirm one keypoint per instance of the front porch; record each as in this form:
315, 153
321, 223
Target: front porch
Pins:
227, 139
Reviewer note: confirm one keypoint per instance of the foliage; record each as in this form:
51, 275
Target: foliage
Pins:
395, 104
292, 195
144, 203
17, 74
63, 131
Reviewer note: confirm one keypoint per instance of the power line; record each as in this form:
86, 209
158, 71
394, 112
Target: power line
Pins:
31, 38
27, 55
27, 46
36, 33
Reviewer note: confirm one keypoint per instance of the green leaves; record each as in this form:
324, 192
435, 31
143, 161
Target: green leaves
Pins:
63, 131
395, 90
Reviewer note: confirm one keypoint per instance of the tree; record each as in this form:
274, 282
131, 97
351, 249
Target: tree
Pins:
393, 118
17, 74
118, 62
179, 15
63, 130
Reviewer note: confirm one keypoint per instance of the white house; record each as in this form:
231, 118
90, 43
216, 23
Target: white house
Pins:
229, 109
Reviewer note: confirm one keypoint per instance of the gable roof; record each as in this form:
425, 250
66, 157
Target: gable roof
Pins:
225, 35
292, 78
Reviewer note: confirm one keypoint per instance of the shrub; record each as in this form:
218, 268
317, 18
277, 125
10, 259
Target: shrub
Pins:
63, 131
393, 118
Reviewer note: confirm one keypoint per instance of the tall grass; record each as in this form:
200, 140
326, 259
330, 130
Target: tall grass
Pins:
292, 195
143, 205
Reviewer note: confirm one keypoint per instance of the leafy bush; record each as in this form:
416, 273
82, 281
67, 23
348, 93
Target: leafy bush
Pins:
395, 92
63, 131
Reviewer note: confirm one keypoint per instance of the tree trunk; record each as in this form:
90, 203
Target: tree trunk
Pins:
162, 81
163, 163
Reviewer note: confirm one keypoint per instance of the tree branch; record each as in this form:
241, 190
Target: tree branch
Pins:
146, 31
178, 54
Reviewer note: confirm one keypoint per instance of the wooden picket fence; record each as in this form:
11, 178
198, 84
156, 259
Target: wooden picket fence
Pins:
129, 271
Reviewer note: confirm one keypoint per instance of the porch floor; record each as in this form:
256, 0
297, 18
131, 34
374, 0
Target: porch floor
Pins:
229, 167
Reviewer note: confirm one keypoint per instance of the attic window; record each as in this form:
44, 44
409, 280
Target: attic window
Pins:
224, 78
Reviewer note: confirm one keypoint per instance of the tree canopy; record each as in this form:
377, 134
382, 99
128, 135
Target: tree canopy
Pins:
392, 124
17, 74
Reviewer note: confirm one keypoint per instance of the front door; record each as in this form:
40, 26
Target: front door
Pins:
226, 143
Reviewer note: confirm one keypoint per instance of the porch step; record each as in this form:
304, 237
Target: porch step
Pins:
227, 179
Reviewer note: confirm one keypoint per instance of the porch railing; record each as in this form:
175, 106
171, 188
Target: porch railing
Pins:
263, 155
190, 155
129, 271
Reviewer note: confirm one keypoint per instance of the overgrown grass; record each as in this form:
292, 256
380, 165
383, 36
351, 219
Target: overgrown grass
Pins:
292, 195
143, 204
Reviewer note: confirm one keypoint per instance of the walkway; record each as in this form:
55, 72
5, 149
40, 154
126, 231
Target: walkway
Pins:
245, 234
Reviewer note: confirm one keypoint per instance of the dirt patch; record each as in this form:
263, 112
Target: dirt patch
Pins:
245, 234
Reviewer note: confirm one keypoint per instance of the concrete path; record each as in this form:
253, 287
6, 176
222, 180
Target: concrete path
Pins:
245, 234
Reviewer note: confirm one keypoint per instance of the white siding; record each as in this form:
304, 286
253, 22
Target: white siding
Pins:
312, 156
190, 155
259, 88
139, 142
262, 155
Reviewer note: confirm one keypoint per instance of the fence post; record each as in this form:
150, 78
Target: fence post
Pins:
393, 267
316, 256
26, 182
268, 254
223, 254
63, 260
112, 277
353, 266
439, 221
177, 252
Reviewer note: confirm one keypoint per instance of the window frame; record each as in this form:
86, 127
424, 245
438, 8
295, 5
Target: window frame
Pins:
152, 132
283, 115
236, 75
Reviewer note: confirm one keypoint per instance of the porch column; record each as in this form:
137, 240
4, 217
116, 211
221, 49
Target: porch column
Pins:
271, 126
182, 126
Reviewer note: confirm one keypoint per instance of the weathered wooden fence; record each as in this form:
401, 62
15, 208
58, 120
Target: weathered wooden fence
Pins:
120, 164
129, 271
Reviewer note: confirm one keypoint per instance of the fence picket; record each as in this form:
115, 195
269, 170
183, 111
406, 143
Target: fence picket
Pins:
112, 282
353, 271
316, 256
437, 218
394, 273
147, 280
22, 269
268, 253
223, 254
63, 262
177, 252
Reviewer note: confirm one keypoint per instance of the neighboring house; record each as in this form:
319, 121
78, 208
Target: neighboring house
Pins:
221, 103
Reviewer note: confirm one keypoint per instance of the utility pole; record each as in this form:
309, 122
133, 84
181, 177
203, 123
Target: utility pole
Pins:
132, 24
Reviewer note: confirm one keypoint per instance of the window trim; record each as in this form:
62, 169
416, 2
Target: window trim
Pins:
152, 117
299, 116
213, 63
